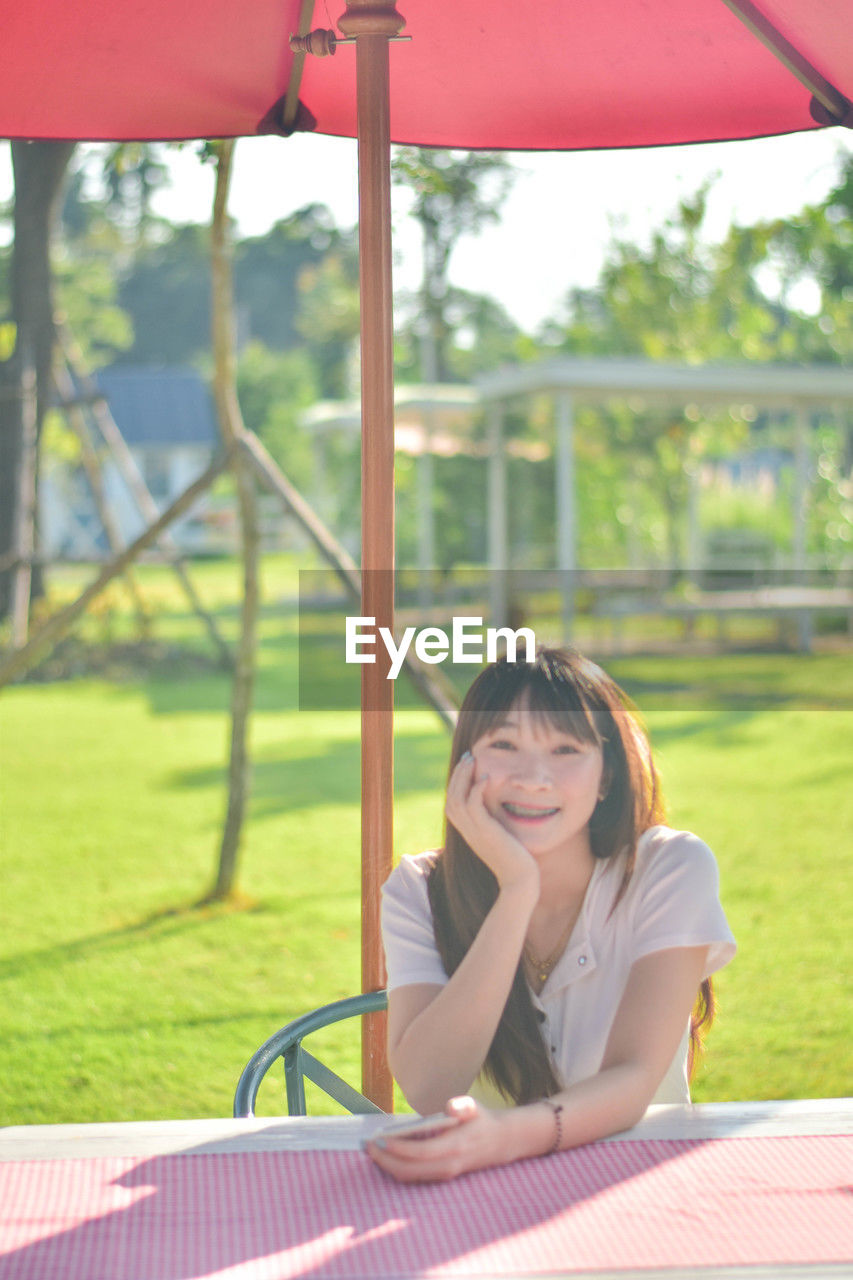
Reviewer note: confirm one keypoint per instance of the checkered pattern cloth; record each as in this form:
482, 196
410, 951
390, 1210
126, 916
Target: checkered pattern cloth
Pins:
273, 1215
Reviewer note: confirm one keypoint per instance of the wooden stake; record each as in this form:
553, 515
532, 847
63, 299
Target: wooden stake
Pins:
91, 465
132, 477
56, 626
231, 428
435, 689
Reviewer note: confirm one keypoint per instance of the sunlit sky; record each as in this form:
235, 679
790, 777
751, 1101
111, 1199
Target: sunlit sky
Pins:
555, 225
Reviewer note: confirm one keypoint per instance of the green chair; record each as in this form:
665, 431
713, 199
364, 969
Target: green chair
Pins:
299, 1064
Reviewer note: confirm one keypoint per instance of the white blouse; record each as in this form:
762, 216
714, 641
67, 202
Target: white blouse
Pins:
672, 900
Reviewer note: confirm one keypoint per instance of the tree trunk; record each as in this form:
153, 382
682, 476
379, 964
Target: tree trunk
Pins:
232, 428
24, 533
434, 304
39, 169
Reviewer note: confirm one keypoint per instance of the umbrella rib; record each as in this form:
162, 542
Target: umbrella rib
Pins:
291, 98
835, 107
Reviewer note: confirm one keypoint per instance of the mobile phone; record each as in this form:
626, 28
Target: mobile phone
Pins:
418, 1127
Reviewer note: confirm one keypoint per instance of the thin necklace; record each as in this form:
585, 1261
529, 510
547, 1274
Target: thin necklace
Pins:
542, 968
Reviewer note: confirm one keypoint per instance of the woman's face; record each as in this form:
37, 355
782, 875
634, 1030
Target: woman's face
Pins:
543, 782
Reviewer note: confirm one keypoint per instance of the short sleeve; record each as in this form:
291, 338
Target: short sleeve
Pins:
677, 902
407, 933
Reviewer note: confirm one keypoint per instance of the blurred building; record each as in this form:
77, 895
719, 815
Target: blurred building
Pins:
167, 419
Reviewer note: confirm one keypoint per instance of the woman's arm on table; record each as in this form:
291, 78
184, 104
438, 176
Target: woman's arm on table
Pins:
643, 1040
438, 1036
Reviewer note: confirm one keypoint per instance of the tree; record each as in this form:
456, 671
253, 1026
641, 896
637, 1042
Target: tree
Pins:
164, 286
39, 169
274, 388
328, 317
807, 263
165, 289
269, 270
455, 193
677, 299
105, 222
232, 431
481, 335
781, 290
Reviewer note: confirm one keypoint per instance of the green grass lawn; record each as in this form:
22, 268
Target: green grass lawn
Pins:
123, 1000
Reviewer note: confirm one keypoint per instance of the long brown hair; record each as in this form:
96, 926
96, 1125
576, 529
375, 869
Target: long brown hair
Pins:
574, 695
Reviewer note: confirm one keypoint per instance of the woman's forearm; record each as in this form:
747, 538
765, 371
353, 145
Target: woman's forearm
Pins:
609, 1102
443, 1048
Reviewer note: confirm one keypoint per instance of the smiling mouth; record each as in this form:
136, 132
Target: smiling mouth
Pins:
527, 811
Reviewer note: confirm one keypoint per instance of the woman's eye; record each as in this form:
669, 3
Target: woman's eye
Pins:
567, 749
502, 744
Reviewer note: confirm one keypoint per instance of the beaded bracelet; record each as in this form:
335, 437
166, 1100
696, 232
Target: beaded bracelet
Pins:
557, 1108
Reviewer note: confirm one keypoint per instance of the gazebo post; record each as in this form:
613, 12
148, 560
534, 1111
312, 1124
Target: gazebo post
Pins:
424, 499
694, 529
425, 474
373, 23
566, 519
800, 531
497, 516
801, 486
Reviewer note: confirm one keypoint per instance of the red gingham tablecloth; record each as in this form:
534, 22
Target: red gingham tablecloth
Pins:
271, 1215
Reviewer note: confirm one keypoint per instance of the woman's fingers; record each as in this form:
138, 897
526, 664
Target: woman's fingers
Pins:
467, 811
464, 1108
460, 780
417, 1159
441, 1169
465, 793
468, 1145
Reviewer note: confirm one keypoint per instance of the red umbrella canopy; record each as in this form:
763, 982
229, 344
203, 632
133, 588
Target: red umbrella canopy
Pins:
554, 74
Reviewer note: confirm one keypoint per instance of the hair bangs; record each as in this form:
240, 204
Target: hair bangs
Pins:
565, 701
561, 705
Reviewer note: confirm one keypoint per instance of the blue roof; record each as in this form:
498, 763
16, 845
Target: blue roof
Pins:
160, 406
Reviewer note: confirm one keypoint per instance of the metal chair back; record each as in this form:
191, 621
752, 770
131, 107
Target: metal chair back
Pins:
300, 1065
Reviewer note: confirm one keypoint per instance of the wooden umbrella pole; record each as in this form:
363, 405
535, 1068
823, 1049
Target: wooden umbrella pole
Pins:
373, 23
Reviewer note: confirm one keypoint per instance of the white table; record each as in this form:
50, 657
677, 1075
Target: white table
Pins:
151, 1212
348, 1133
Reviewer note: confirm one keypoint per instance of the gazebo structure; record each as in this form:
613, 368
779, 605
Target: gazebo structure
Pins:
428, 421
797, 390
439, 420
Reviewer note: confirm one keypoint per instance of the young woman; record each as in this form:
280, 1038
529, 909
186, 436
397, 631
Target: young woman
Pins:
548, 967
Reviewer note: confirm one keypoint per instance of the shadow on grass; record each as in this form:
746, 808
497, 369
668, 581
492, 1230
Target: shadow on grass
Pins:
327, 776
721, 723
304, 668
282, 683
737, 681
17, 1041
165, 923
316, 679
330, 776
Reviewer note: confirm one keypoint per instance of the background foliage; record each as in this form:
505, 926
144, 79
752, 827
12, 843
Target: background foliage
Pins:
137, 289
124, 1001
